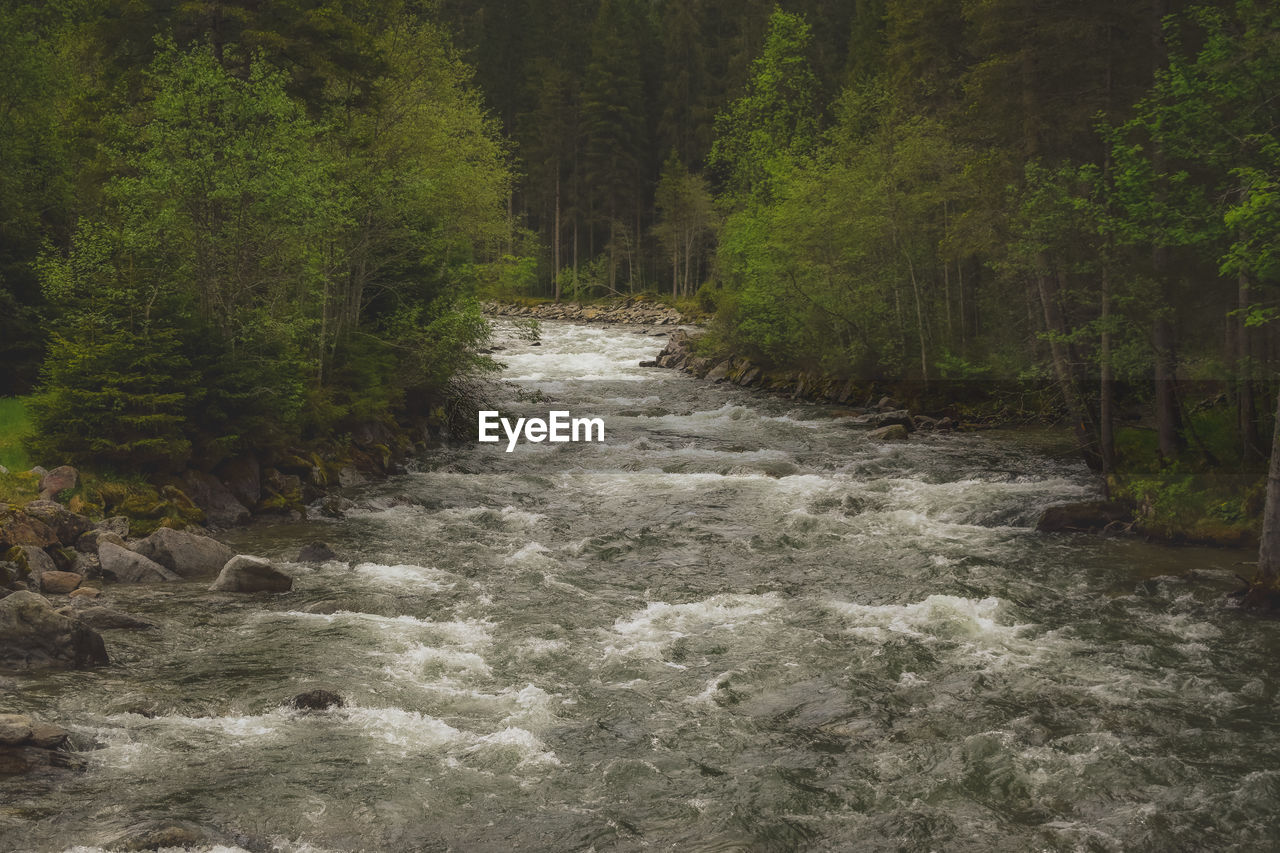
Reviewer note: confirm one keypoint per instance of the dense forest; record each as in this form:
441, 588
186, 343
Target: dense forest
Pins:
239, 219
236, 225
1080, 196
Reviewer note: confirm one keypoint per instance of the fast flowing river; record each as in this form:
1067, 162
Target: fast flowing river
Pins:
736, 625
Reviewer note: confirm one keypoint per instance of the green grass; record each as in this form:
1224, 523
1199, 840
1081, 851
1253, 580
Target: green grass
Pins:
14, 426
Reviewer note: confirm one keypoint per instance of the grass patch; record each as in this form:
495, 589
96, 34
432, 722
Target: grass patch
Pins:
15, 426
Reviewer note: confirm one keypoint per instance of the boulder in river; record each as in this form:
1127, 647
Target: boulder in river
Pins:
316, 552
27, 744
105, 618
128, 567
317, 700
33, 636
184, 553
245, 573
898, 417
1086, 517
893, 432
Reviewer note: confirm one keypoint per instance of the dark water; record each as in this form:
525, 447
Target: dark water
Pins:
738, 625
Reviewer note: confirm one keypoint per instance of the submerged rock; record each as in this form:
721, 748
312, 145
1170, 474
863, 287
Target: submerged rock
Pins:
316, 552
184, 553
34, 636
244, 573
129, 567
163, 838
317, 700
105, 618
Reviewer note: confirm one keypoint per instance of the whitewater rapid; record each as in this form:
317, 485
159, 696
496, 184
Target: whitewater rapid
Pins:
736, 624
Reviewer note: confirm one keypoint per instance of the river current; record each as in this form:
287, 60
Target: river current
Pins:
736, 625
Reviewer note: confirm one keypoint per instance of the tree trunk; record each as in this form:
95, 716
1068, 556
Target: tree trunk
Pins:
1269, 552
1106, 389
1246, 405
1056, 325
1168, 417
555, 267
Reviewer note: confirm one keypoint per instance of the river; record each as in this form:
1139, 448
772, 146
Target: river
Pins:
736, 625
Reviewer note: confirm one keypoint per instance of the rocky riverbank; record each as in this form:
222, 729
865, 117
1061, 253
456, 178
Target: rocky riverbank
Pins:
887, 417
57, 572
637, 310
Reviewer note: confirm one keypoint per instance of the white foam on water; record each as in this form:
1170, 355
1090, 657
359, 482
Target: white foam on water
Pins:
422, 660
646, 633
507, 516
435, 580
410, 730
937, 617
524, 744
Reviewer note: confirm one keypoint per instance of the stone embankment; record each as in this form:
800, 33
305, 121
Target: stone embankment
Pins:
632, 311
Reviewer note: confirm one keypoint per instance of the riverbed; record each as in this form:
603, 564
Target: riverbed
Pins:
737, 624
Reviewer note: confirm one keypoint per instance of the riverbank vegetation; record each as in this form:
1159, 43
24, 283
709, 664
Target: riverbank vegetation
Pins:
234, 228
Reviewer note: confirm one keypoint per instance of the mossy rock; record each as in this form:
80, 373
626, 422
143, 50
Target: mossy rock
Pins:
17, 558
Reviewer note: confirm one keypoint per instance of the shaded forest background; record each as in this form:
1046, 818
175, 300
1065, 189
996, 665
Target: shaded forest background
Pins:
234, 210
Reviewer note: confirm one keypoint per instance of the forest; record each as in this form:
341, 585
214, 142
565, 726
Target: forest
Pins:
238, 223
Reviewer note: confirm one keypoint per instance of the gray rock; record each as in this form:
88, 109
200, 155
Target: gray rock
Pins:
317, 700
243, 478
105, 618
244, 573
1086, 517
35, 560
186, 554
14, 729
34, 636
89, 542
87, 566
59, 479
316, 552
718, 373
220, 505
59, 583
893, 432
117, 524
65, 524
899, 417
350, 476
126, 566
